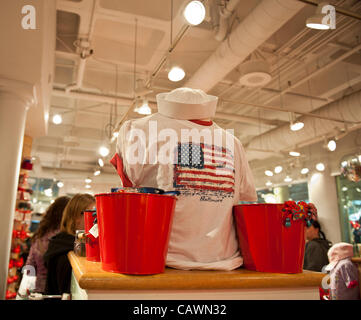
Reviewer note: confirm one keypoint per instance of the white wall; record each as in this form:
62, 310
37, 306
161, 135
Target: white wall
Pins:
322, 192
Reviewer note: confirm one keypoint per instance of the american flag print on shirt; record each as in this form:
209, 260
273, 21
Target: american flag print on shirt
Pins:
204, 170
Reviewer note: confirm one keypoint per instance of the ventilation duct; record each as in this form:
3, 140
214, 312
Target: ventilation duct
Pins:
281, 138
254, 30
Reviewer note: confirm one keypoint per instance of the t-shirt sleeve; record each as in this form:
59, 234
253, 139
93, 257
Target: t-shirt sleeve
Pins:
119, 159
247, 189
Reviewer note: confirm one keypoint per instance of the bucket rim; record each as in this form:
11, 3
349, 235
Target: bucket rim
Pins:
258, 204
134, 193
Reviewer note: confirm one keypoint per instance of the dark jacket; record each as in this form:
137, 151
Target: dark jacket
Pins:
57, 263
316, 254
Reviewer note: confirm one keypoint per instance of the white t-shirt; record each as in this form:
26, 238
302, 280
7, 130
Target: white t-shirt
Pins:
212, 175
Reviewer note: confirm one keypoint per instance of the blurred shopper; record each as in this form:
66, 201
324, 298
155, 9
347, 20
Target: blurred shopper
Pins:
56, 260
316, 248
344, 284
48, 227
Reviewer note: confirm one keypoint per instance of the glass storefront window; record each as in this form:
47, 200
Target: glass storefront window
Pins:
44, 193
296, 192
349, 200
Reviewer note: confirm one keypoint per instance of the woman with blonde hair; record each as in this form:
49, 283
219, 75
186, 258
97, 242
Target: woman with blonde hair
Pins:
56, 259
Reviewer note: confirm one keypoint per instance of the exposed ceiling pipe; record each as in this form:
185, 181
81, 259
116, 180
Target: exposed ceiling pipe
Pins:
339, 10
111, 99
281, 138
152, 104
316, 73
254, 30
80, 76
224, 14
246, 119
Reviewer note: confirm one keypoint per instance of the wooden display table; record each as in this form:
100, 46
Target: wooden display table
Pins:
89, 281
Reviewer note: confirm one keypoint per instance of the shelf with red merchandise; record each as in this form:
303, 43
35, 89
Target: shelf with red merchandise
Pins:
22, 221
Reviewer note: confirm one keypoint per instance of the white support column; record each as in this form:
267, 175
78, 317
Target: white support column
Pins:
322, 192
15, 99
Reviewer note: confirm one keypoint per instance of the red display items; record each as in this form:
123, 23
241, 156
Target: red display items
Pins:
92, 243
267, 243
134, 230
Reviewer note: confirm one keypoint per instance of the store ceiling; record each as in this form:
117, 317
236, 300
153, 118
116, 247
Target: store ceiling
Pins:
293, 53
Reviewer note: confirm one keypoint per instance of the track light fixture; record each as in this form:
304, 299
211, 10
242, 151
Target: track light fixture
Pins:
324, 19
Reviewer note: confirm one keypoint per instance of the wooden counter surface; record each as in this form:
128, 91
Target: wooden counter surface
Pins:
90, 276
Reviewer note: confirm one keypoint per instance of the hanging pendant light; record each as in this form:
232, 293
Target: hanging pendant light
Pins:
103, 150
101, 162
176, 74
295, 125
319, 20
278, 169
331, 145
194, 13
294, 154
144, 108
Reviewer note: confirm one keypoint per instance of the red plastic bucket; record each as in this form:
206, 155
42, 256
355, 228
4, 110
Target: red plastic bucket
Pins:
267, 245
92, 244
134, 230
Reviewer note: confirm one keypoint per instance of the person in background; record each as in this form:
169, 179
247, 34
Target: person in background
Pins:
48, 227
344, 283
316, 248
56, 259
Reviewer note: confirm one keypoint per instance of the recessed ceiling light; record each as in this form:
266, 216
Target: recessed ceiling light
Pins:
194, 12
57, 119
304, 170
88, 180
97, 172
269, 183
60, 184
88, 186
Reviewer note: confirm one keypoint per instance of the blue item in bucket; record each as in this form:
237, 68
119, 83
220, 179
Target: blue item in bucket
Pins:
175, 193
150, 190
